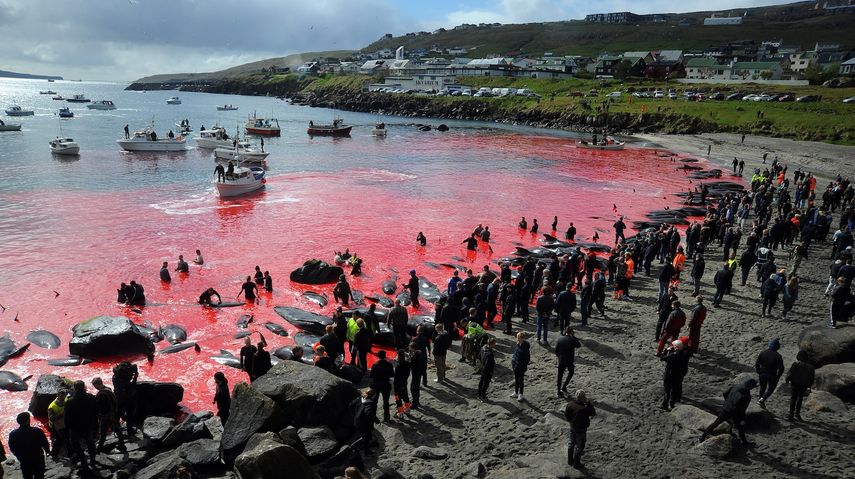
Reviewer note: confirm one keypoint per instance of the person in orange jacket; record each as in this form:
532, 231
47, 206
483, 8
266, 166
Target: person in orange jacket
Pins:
679, 263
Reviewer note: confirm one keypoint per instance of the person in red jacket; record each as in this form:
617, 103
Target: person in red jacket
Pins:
675, 322
696, 320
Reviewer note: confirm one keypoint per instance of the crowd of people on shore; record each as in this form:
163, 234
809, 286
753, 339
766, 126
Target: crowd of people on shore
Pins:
787, 227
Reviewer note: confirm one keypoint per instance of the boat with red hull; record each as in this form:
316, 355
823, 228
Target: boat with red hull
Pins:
262, 126
338, 128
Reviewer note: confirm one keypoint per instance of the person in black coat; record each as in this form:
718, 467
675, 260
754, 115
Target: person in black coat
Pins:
362, 340
418, 365
413, 286
381, 373
402, 375
736, 401
578, 412
770, 368
81, 421
586, 299
441, 344
665, 277
722, 280
519, 363
261, 363
365, 416
800, 377
697, 273
565, 350
565, 304
222, 398
676, 359
488, 366
29, 445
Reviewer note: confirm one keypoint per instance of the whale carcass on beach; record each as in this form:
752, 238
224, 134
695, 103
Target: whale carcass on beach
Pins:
305, 320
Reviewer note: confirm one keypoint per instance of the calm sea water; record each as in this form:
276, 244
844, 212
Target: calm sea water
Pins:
80, 226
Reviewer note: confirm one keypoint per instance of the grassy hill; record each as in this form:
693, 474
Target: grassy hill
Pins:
796, 23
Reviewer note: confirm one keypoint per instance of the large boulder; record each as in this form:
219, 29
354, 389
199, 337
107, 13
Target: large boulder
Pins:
156, 427
719, 447
47, 387
308, 394
162, 466
273, 459
201, 454
829, 346
159, 398
319, 442
290, 436
108, 336
694, 420
756, 417
823, 401
315, 271
191, 429
250, 412
838, 379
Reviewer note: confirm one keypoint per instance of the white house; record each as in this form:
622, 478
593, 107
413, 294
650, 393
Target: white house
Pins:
848, 67
372, 67
458, 51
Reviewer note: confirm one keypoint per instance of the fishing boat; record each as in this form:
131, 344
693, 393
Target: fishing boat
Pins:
262, 126
244, 180
50, 80
10, 126
78, 98
58, 97
226, 107
16, 110
184, 127
379, 129
147, 140
214, 137
66, 112
241, 152
338, 128
64, 146
47, 92
173, 100
101, 105
608, 144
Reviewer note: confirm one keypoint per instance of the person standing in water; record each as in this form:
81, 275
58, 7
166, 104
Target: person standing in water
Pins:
534, 226
523, 224
164, 273
555, 223
420, 238
471, 242
268, 282
249, 290
199, 260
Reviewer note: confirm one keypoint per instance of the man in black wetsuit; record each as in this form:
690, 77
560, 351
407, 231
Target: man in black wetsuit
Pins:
247, 357
342, 291
248, 289
413, 286
164, 273
619, 226
471, 242
208, 294
570, 235
221, 173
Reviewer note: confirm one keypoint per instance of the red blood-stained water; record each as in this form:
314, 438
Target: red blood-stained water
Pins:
82, 244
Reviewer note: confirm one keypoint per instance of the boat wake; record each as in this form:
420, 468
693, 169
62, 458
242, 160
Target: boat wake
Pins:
380, 176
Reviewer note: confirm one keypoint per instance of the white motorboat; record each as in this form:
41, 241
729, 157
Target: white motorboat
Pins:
184, 127
173, 100
379, 129
226, 107
10, 126
16, 110
101, 105
215, 137
78, 98
243, 181
47, 92
147, 140
64, 146
607, 144
241, 152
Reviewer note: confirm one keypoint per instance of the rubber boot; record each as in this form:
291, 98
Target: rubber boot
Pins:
577, 459
570, 457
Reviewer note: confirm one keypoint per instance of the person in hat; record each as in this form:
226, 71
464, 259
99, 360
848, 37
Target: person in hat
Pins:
676, 359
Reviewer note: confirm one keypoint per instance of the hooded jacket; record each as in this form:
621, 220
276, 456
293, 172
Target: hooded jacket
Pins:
737, 398
770, 361
521, 357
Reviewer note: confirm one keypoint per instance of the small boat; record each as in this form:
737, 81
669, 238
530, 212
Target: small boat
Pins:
241, 152
610, 144
101, 105
50, 80
226, 107
10, 126
58, 97
262, 126
244, 180
214, 137
66, 112
173, 100
379, 129
47, 92
78, 98
16, 110
338, 128
184, 127
64, 146
147, 140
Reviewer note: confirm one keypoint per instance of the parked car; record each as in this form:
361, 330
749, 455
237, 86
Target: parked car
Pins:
717, 96
658, 94
851, 99
787, 97
750, 97
592, 92
672, 95
807, 99
614, 94
734, 96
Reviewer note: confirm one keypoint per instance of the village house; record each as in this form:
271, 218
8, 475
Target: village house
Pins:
848, 67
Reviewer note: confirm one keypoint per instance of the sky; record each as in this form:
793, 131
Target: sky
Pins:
127, 39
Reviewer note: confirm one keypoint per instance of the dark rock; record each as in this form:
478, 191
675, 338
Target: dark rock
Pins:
156, 427
824, 401
260, 437
305, 320
319, 442
291, 437
108, 336
442, 127
272, 459
828, 346
316, 271
159, 398
308, 394
191, 429
345, 457
351, 373
250, 412
425, 452
719, 447
201, 453
215, 428
162, 466
838, 379
46, 388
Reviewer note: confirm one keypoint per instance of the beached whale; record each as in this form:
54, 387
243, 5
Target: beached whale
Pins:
276, 329
404, 298
173, 333
307, 341
174, 348
68, 361
390, 285
429, 291
44, 339
227, 359
317, 298
8, 349
227, 304
384, 301
285, 353
305, 320
244, 320
358, 296
10, 381
420, 320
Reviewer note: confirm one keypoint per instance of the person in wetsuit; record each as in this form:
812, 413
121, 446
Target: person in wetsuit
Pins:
268, 282
248, 289
259, 276
230, 170
205, 297
471, 242
421, 239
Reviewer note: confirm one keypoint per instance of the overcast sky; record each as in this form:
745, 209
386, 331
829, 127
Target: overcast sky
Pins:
128, 39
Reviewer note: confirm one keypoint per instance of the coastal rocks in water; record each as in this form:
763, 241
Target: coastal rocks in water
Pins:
159, 398
319, 443
828, 346
44, 339
173, 333
823, 401
108, 335
290, 436
10, 381
157, 427
305, 320
271, 459
309, 395
201, 454
250, 412
838, 379
163, 466
442, 127
45, 392
315, 271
